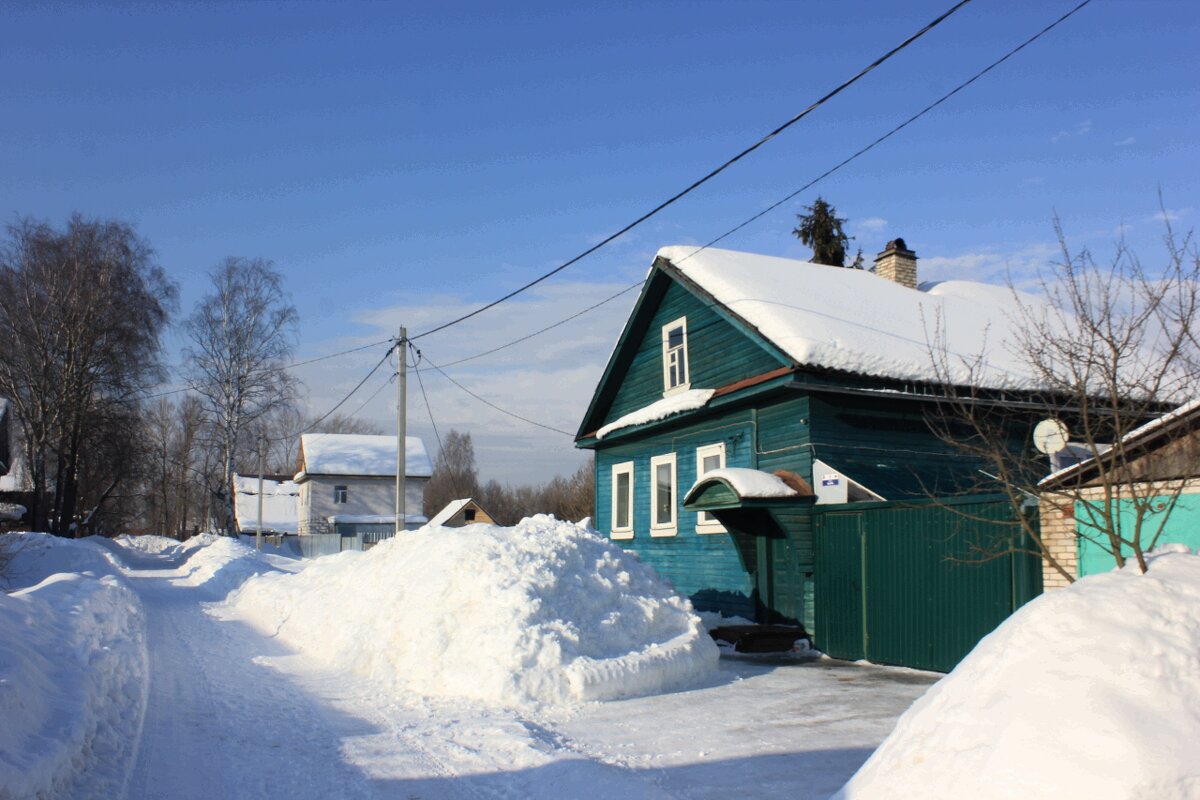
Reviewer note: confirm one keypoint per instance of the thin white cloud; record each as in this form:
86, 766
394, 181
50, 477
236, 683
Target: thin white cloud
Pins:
1081, 129
1128, 140
871, 224
1023, 267
1170, 214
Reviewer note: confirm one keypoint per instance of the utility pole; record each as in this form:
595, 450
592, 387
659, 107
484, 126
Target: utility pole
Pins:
262, 441
401, 427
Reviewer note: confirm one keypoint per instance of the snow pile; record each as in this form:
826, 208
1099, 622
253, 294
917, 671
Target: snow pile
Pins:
219, 564
150, 544
542, 612
37, 556
1090, 691
72, 683
660, 409
11, 512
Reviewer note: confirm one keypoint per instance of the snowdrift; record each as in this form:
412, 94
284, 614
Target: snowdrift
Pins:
1090, 691
543, 612
72, 682
37, 556
218, 564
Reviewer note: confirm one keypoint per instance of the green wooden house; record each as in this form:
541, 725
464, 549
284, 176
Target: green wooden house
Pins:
734, 366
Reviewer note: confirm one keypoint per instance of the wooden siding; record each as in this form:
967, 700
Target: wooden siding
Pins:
887, 446
718, 354
708, 567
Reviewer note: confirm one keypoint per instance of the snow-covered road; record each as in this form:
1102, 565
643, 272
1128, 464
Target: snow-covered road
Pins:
233, 713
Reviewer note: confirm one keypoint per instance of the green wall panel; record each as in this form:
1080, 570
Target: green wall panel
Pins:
1182, 526
906, 585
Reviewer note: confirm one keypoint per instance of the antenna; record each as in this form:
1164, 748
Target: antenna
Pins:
1050, 436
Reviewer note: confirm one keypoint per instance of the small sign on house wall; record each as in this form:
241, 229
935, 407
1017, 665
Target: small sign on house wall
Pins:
830, 479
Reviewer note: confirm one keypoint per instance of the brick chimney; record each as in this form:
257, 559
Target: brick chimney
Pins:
897, 263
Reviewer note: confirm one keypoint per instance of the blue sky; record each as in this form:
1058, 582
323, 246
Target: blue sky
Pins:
404, 162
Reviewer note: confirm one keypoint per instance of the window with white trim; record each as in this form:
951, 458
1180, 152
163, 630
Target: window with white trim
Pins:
622, 500
662, 495
675, 358
708, 458
339, 495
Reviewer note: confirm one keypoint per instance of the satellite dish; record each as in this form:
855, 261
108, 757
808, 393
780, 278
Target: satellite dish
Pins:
1050, 436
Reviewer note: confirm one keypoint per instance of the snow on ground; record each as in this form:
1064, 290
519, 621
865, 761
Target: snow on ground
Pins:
230, 712
72, 683
542, 612
37, 556
219, 564
1091, 691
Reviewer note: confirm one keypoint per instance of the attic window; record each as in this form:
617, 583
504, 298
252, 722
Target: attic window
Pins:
675, 360
469, 515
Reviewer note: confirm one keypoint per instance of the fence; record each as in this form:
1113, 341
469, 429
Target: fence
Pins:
315, 545
918, 584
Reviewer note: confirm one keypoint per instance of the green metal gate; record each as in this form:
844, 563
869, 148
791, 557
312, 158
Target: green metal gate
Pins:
917, 584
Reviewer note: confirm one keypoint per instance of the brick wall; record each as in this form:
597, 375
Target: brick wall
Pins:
1057, 515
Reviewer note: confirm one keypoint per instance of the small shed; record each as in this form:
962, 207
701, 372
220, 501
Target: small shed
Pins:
458, 513
1161, 469
280, 504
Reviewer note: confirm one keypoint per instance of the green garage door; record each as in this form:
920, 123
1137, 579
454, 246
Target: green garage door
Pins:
916, 584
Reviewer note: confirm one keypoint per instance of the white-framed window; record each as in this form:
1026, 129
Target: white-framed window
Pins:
676, 377
662, 495
339, 495
622, 500
708, 458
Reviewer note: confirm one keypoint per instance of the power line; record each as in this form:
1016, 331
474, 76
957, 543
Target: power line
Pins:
429, 409
342, 402
189, 387
374, 394
487, 402
803, 188
563, 321
712, 174
896, 129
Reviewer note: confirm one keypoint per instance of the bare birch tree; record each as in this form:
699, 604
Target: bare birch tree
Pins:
81, 314
1107, 348
241, 336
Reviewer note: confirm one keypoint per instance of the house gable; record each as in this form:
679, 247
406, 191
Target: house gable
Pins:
721, 349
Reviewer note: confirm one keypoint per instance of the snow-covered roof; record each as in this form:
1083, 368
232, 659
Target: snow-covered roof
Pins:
748, 483
452, 508
853, 320
362, 454
1134, 437
660, 409
281, 501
